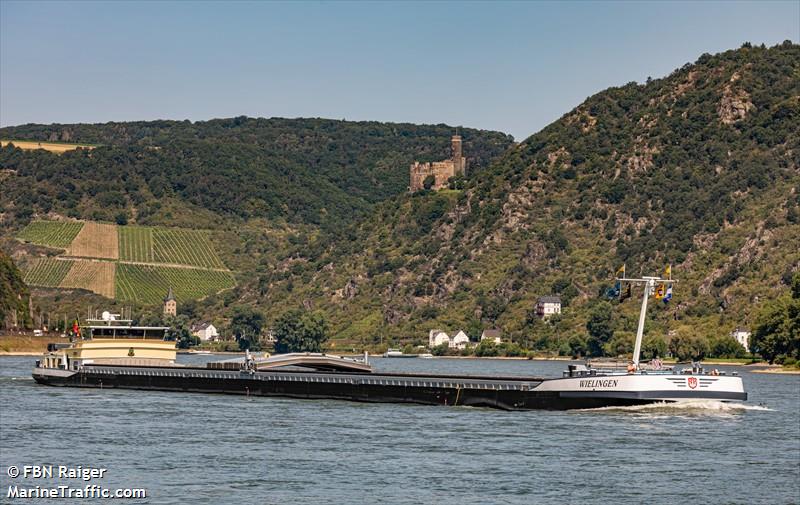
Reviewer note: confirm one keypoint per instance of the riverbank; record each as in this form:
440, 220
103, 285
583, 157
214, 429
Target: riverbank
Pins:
27, 345
781, 370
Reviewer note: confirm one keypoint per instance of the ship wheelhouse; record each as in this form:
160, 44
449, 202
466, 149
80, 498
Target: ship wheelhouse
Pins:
110, 340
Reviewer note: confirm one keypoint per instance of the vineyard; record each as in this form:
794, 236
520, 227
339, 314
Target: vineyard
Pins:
47, 272
95, 240
129, 263
136, 243
185, 247
58, 234
149, 284
97, 276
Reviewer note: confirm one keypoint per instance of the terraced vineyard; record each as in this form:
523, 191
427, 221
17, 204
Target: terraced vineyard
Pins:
187, 247
58, 234
136, 243
97, 276
130, 263
148, 284
47, 272
95, 240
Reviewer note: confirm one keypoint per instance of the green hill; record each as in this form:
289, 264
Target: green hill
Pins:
211, 173
699, 169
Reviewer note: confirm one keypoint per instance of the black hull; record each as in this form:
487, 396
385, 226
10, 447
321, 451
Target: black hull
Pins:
506, 394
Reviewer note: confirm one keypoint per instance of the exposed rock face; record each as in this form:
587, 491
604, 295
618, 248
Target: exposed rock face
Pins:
735, 104
753, 250
392, 316
559, 153
642, 160
349, 291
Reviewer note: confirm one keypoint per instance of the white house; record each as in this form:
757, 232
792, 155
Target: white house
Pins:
460, 341
742, 335
437, 338
547, 306
492, 335
205, 331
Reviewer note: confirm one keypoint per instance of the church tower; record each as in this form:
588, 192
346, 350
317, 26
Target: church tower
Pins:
170, 304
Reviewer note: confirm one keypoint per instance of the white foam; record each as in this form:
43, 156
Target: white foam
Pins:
685, 407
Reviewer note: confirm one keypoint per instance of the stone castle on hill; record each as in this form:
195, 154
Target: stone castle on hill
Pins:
441, 171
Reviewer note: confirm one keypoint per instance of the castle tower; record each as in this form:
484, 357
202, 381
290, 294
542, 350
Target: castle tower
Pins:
459, 162
170, 304
456, 143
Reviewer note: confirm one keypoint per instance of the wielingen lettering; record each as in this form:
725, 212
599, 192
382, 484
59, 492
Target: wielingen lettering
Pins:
599, 383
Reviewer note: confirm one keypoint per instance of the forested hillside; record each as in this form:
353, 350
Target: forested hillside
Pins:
699, 169
204, 174
14, 295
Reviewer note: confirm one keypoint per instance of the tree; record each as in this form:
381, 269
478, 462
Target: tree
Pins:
577, 346
726, 347
246, 325
179, 332
776, 335
600, 327
688, 347
429, 182
653, 347
300, 331
491, 308
619, 345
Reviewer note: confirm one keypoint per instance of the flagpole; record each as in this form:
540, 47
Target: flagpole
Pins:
649, 286
637, 349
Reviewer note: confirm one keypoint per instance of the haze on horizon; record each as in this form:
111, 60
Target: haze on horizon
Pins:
513, 67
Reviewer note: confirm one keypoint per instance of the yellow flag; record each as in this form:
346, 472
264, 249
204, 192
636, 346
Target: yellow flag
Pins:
668, 272
660, 290
621, 271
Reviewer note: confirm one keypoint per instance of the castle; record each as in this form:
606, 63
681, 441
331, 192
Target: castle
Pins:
441, 171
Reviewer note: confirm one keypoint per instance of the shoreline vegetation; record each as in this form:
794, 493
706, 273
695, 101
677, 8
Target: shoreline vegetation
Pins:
25, 345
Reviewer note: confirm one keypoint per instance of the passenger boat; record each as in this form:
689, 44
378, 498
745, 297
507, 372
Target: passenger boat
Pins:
112, 353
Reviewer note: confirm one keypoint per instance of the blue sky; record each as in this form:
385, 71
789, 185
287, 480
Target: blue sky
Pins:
513, 67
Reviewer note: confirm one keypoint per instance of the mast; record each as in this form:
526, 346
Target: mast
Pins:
649, 288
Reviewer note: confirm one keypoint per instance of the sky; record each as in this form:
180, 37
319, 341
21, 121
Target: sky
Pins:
513, 67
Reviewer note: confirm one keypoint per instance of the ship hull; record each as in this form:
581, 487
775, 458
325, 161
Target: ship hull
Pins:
501, 393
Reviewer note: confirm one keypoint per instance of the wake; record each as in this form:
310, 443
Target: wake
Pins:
685, 407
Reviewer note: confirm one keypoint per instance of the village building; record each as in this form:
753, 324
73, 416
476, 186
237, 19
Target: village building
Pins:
492, 335
206, 332
742, 335
547, 306
460, 341
441, 171
437, 338
170, 304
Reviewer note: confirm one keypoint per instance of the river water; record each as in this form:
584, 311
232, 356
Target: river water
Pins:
217, 449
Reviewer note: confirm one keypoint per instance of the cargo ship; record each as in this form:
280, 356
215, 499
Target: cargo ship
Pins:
111, 353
